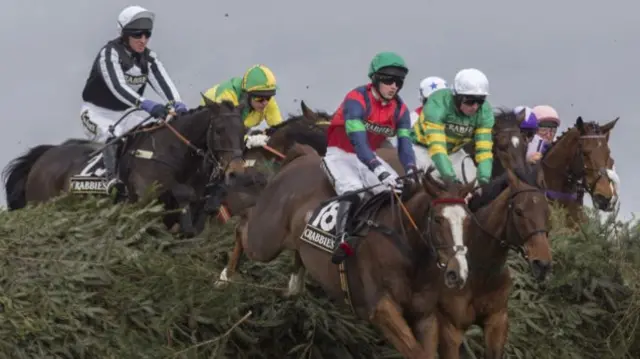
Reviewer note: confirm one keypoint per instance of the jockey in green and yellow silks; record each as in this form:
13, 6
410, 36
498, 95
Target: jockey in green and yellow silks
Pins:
257, 89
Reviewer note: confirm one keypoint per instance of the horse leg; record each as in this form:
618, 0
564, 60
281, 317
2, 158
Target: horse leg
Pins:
496, 328
427, 329
184, 195
450, 339
387, 316
238, 249
296, 281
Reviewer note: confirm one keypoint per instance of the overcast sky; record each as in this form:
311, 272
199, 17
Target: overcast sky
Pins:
580, 59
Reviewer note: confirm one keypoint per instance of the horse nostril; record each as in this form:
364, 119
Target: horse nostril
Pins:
542, 265
451, 276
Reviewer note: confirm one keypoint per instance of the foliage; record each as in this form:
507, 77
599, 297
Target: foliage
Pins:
85, 279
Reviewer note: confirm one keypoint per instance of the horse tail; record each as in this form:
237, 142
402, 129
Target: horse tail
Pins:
15, 176
298, 150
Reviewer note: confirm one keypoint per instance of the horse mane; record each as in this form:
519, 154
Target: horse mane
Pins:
591, 125
506, 118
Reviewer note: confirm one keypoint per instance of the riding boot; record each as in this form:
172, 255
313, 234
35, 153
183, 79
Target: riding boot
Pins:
109, 156
343, 249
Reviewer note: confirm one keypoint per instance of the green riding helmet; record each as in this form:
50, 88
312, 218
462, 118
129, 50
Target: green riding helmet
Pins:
259, 80
388, 63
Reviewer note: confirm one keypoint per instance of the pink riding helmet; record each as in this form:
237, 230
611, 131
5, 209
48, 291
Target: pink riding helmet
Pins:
546, 113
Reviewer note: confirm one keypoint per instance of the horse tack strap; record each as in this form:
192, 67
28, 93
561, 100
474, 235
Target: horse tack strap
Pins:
183, 139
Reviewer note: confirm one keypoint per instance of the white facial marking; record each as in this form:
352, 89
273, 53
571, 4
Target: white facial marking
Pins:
456, 215
515, 141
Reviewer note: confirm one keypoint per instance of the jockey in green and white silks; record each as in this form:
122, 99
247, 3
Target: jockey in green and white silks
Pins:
450, 119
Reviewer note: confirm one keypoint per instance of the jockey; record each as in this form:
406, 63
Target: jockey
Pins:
450, 119
427, 86
257, 89
367, 116
548, 123
529, 127
118, 78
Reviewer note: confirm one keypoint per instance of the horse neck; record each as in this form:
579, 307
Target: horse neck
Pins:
193, 127
490, 222
558, 159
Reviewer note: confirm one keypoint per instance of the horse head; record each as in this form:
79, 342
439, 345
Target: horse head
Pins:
446, 226
509, 144
528, 216
582, 154
225, 137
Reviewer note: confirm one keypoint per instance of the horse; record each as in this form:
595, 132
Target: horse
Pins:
512, 217
507, 138
263, 153
380, 280
580, 161
166, 154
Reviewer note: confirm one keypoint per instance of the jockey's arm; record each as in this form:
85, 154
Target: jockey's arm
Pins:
484, 143
405, 147
272, 113
354, 114
161, 81
431, 126
113, 76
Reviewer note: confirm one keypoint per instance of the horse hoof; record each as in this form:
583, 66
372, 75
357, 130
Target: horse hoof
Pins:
223, 281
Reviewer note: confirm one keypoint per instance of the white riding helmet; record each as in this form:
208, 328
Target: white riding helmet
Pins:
471, 82
429, 84
128, 16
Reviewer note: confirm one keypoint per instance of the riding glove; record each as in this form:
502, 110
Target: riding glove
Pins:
154, 109
387, 178
179, 107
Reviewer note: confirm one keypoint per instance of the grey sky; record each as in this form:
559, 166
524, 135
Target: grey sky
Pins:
581, 60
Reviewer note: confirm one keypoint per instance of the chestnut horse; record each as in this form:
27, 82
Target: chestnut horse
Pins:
401, 249
579, 161
516, 217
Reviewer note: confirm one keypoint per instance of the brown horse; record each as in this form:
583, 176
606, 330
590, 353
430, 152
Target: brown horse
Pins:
167, 153
381, 280
579, 161
516, 217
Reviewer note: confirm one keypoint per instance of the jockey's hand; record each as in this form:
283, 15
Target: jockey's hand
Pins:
534, 157
386, 177
179, 107
155, 109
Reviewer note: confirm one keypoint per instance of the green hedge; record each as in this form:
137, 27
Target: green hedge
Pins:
84, 279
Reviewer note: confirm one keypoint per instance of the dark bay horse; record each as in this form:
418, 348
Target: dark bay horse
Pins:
508, 139
164, 153
401, 254
263, 154
580, 161
515, 217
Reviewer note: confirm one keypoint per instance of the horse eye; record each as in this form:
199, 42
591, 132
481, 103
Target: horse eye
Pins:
519, 211
438, 220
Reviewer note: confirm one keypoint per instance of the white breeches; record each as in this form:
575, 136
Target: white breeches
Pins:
96, 121
462, 163
347, 173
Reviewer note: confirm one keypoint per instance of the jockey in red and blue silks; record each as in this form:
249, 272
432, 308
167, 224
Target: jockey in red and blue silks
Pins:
367, 117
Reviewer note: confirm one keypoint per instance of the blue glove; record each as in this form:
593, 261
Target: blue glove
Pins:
180, 107
154, 109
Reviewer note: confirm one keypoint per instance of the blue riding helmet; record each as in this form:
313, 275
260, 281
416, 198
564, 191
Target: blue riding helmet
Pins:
530, 121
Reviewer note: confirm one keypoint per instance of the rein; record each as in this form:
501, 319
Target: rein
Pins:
510, 227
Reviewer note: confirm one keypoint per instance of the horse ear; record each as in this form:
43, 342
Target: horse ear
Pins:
511, 177
207, 101
606, 128
539, 176
429, 183
307, 112
468, 188
580, 124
